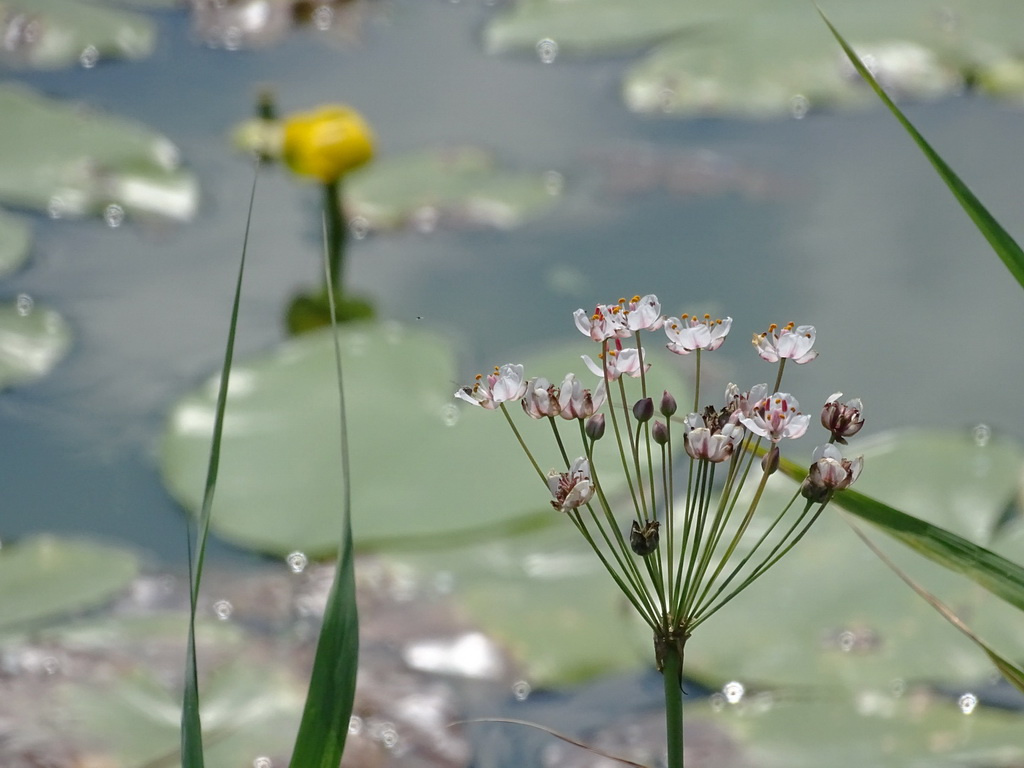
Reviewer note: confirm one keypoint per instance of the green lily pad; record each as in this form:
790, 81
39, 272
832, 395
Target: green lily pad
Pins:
776, 59
59, 158
461, 186
832, 614
15, 241
961, 480
33, 340
887, 728
46, 577
51, 34
545, 597
590, 26
245, 716
424, 467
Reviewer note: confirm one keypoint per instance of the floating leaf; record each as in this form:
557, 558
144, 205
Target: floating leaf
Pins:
545, 596
68, 161
15, 241
33, 340
961, 480
831, 612
245, 716
50, 34
424, 467
45, 577
461, 186
590, 26
726, 57
887, 727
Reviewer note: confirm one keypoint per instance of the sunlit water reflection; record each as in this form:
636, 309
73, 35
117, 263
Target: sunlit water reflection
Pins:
846, 228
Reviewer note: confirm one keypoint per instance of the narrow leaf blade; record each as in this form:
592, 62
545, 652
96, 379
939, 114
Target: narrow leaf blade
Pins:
332, 687
1000, 240
191, 725
998, 575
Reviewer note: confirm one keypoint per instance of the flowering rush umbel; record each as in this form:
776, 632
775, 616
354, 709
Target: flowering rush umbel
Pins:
679, 556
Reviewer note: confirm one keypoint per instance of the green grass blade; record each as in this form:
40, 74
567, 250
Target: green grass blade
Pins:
996, 574
1004, 245
1012, 673
325, 719
191, 726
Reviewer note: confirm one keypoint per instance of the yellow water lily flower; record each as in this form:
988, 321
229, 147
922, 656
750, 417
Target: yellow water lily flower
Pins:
327, 142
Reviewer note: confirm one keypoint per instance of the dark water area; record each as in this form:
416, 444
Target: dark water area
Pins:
832, 220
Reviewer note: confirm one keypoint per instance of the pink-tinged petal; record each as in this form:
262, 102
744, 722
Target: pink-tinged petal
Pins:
504, 384
596, 369
571, 489
642, 313
605, 322
687, 334
788, 342
777, 417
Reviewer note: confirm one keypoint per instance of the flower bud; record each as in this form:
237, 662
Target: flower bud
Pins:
660, 433
644, 540
643, 409
595, 426
668, 405
841, 420
770, 461
326, 143
829, 473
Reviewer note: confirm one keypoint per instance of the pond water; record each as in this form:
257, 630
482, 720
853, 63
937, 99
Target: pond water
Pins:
833, 220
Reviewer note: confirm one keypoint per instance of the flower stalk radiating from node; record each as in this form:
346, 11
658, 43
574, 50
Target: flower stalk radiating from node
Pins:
678, 557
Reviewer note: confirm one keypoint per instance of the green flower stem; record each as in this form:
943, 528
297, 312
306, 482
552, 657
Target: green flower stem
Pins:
768, 562
703, 603
696, 386
336, 231
558, 440
634, 451
623, 555
672, 670
646, 612
743, 527
618, 433
522, 443
778, 378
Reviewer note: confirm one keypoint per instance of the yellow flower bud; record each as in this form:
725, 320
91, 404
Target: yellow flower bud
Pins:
326, 143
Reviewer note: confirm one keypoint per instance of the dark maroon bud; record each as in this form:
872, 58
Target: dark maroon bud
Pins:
660, 433
644, 540
595, 426
643, 409
668, 405
770, 461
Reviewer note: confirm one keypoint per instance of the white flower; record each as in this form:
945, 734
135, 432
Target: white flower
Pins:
642, 313
571, 489
829, 473
687, 333
541, 399
506, 383
776, 417
605, 322
619, 361
575, 402
842, 421
789, 342
743, 403
705, 438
